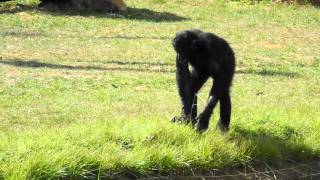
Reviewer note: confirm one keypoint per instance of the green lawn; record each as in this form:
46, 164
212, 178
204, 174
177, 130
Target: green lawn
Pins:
90, 95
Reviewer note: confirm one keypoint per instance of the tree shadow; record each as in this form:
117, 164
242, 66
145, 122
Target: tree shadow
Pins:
315, 3
138, 63
127, 66
149, 15
131, 13
268, 73
135, 37
149, 67
11, 8
21, 34
13, 33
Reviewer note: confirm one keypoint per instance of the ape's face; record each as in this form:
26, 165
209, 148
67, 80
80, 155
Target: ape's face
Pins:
184, 43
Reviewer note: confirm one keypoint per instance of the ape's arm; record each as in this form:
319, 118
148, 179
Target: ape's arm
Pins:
183, 77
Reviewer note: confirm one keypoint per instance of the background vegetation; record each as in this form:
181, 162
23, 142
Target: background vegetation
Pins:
89, 95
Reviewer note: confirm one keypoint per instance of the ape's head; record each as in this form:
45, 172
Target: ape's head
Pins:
188, 43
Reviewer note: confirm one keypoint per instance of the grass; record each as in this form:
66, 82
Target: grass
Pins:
90, 95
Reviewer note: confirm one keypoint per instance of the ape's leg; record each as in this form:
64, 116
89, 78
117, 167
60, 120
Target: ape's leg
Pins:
197, 81
216, 92
225, 112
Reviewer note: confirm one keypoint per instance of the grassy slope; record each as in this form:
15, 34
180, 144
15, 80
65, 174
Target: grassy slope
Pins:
81, 94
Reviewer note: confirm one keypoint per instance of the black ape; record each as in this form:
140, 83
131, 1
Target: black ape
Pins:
209, 56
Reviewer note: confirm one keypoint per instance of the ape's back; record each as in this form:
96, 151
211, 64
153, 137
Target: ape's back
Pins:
216, 44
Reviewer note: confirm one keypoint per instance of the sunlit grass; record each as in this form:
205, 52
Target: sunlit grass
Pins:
92, 95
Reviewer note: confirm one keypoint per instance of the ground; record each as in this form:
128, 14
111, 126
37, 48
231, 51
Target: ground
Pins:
91, 95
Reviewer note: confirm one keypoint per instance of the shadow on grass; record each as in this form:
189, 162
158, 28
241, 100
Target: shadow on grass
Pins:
315, 3
149, 15
15, 33
274, 157
268, 73
135, 37
276, 149
129, 66
36, 64
138, 63
12, 33
130, 13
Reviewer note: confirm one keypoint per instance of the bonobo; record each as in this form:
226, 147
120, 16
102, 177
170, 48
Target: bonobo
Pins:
209, 56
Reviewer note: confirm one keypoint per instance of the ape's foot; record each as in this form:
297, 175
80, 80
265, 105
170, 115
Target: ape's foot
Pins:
180, 119
222, 127
193, 121
202, 123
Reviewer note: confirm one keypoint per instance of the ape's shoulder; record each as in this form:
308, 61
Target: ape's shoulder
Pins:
216, 44
212, 38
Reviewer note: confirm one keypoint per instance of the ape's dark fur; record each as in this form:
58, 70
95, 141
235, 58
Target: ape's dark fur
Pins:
209, 56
